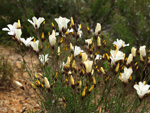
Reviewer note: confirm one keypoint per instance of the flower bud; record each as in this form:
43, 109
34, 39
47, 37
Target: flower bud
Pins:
98, 42
142, 51
133, 51
84, 92
102, 70
47, 85
117, 67
130, 59
94, 81
91, 88
72, 80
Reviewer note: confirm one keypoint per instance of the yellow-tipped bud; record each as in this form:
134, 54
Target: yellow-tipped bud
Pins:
107, 56
71, 57
43, 22
117, 67
36, 76
38, 83
52, 24
98, 41
91, 88
80, 26
94, 81
67, 81
73, 64
144, 82
42, 35
136, 64
84, 92
52, 85
72, 80
49, 34
103, 56
106, 79
80, 83
41, 47
33, 86
123, 67
18, 25
67, 32
82, 71
72, 33
64, 99
56, 74
102, 70
40, 74
72, 22
88, 28
42, 85
130, 78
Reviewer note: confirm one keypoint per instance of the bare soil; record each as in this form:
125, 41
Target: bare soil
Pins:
12, 98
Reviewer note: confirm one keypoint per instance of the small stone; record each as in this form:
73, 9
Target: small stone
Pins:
37, 106
18, 65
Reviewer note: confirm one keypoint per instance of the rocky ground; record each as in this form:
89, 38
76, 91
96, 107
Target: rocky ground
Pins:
13, 99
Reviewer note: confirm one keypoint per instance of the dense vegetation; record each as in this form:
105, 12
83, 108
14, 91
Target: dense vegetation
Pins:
124, 19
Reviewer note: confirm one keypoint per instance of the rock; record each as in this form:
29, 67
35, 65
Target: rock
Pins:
26, 75
37, 106
18, 65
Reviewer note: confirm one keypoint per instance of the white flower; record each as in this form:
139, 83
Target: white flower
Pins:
18, 33
120, 43
77, 51
116, 55
130, 59
27, 42
36, 22
70, 30
52, 38
142, 51
47, 85
89, 41
124, 77
62, 22
98, 57
142, 89
35, 45
43, 58
133, 51
98, 28
79, 32
11, 28
88, 65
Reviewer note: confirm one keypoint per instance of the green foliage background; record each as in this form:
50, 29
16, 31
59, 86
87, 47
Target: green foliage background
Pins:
123, 19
